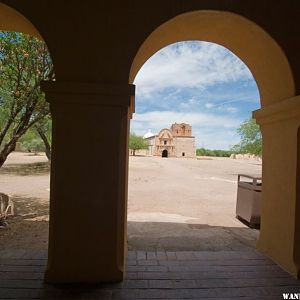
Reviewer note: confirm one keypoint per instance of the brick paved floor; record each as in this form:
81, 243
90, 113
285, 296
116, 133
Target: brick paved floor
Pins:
157, 275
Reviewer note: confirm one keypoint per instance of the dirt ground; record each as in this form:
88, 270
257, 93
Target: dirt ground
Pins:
173, 204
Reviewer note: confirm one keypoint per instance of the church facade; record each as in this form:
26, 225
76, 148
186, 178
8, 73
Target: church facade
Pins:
174, 142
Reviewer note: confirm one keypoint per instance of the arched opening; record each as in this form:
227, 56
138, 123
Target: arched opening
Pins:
25, 173
12, 20
81, 97
164, 153
248, 41
254, 46
184, 123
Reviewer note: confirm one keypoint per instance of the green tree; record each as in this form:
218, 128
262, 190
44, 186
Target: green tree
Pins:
24, 63
44, 130
251, 139
137, 143
216, 153
38, 137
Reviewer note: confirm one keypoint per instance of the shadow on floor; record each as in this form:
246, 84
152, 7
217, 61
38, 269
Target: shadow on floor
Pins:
37, 168
152, 236
29, 230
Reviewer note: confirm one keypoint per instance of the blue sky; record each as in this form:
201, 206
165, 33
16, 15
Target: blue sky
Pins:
199, 83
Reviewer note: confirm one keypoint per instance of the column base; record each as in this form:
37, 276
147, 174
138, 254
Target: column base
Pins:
54, 278
105, 274
288, 265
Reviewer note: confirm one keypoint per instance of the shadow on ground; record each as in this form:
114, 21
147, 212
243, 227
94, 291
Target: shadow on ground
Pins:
29, 230
37, 168
189, 237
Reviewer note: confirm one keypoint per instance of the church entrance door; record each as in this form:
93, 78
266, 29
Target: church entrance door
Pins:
164, 153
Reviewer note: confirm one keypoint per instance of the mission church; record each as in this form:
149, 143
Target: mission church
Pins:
174, 142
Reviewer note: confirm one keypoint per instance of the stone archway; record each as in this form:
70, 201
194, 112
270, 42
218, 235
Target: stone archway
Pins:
12, 20
255, 47
164, 153
274, 78
96, 88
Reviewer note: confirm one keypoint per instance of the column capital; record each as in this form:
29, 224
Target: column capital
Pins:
85, 93
285, 109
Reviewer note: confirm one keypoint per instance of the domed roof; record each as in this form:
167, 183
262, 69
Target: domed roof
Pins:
148, 134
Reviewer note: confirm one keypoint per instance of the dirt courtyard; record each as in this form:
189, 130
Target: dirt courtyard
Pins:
173, 204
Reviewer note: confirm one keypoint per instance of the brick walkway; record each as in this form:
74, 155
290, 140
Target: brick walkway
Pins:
157, 275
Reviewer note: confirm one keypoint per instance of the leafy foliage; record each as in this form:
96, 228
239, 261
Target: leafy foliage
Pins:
44, 129
31, 142
251, 139
24, 63
38, 137
216, 153
137, 143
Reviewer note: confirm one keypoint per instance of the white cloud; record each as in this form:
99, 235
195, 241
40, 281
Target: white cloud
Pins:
209, 105
159, 119
219, 139
205, 82
189, 65
189, 104
230, 109
214, 131
221, 107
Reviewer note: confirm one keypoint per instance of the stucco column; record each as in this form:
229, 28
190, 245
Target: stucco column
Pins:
279, 235
88, 181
